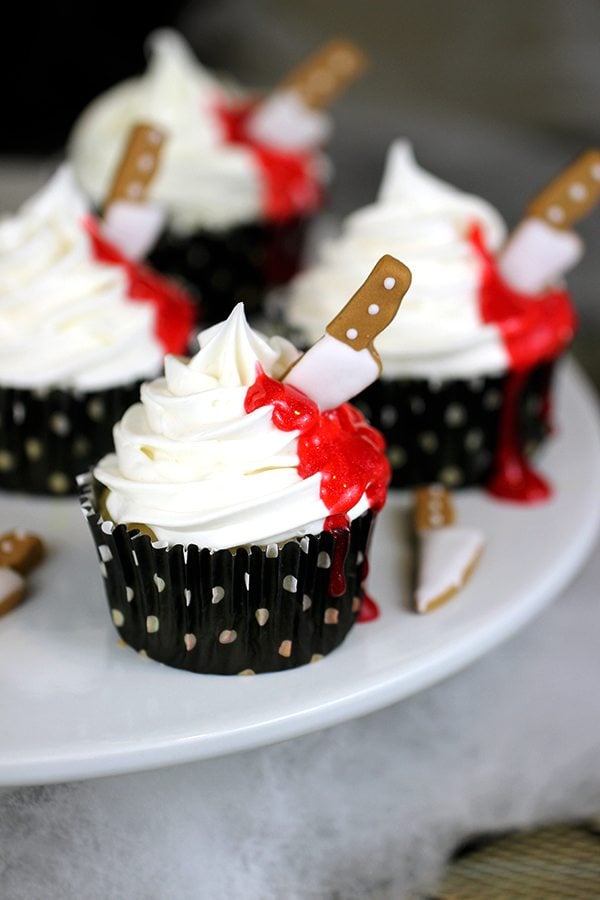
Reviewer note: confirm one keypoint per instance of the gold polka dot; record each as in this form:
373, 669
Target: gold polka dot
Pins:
247, 672
285, 649
152, 624
33, 449
59, 423
7, 461
316, 657
117, 617
396, 456
331, 616
58, 483
190, 641
95, 409
323, 560
262, 616
227, 637
451, 476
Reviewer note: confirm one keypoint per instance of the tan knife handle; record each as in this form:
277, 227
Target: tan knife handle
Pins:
572, 194
433, 508
326, 73
373, 306
138, 165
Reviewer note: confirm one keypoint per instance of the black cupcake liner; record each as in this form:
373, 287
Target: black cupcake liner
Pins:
47, 437
237, 264
227, 612
447, 431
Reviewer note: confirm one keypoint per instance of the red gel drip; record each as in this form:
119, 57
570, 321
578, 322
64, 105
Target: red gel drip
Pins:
513, 477
337, 443
288, 179
534, 329
369, 611
174, 311
337, 578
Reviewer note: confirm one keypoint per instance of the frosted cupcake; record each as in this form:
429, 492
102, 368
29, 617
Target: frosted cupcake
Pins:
235, 514
447, 402
80, 328
236, 206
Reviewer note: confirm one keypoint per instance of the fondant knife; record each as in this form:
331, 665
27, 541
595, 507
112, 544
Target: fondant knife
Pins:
130, 220
447, 553
344, 361
543, 247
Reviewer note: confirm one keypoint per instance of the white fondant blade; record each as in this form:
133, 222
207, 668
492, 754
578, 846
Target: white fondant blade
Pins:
331, 372
446, 558
537, 255
283, 120
133, 227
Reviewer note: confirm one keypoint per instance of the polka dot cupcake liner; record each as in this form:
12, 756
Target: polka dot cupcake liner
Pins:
49, 436
239, 264
448, 431
230, 612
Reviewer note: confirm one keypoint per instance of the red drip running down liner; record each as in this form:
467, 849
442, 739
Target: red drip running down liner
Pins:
288, 181
175, 312
339, 445
534, 330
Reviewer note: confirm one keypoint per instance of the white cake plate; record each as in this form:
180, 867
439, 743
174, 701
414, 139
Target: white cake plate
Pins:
74, 704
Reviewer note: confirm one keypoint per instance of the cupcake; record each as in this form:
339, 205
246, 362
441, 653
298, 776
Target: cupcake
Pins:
236, 207
465, 392
80, 328
232, 522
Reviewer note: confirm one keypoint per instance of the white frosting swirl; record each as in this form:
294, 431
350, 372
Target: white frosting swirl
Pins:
66, 319
425, 223
201, 182
196, 468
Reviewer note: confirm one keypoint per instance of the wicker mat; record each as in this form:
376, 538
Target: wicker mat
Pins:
560, 861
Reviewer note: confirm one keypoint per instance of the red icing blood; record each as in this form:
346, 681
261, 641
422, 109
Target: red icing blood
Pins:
338, 444
513, 477
288, 179
337, 578
534, 329
175, 313
369, 611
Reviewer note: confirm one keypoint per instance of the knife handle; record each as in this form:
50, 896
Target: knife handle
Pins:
433, 508
373, 306
326, 73
572, 194
138, 165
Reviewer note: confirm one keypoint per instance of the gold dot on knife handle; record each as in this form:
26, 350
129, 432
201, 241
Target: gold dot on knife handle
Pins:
433, 508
